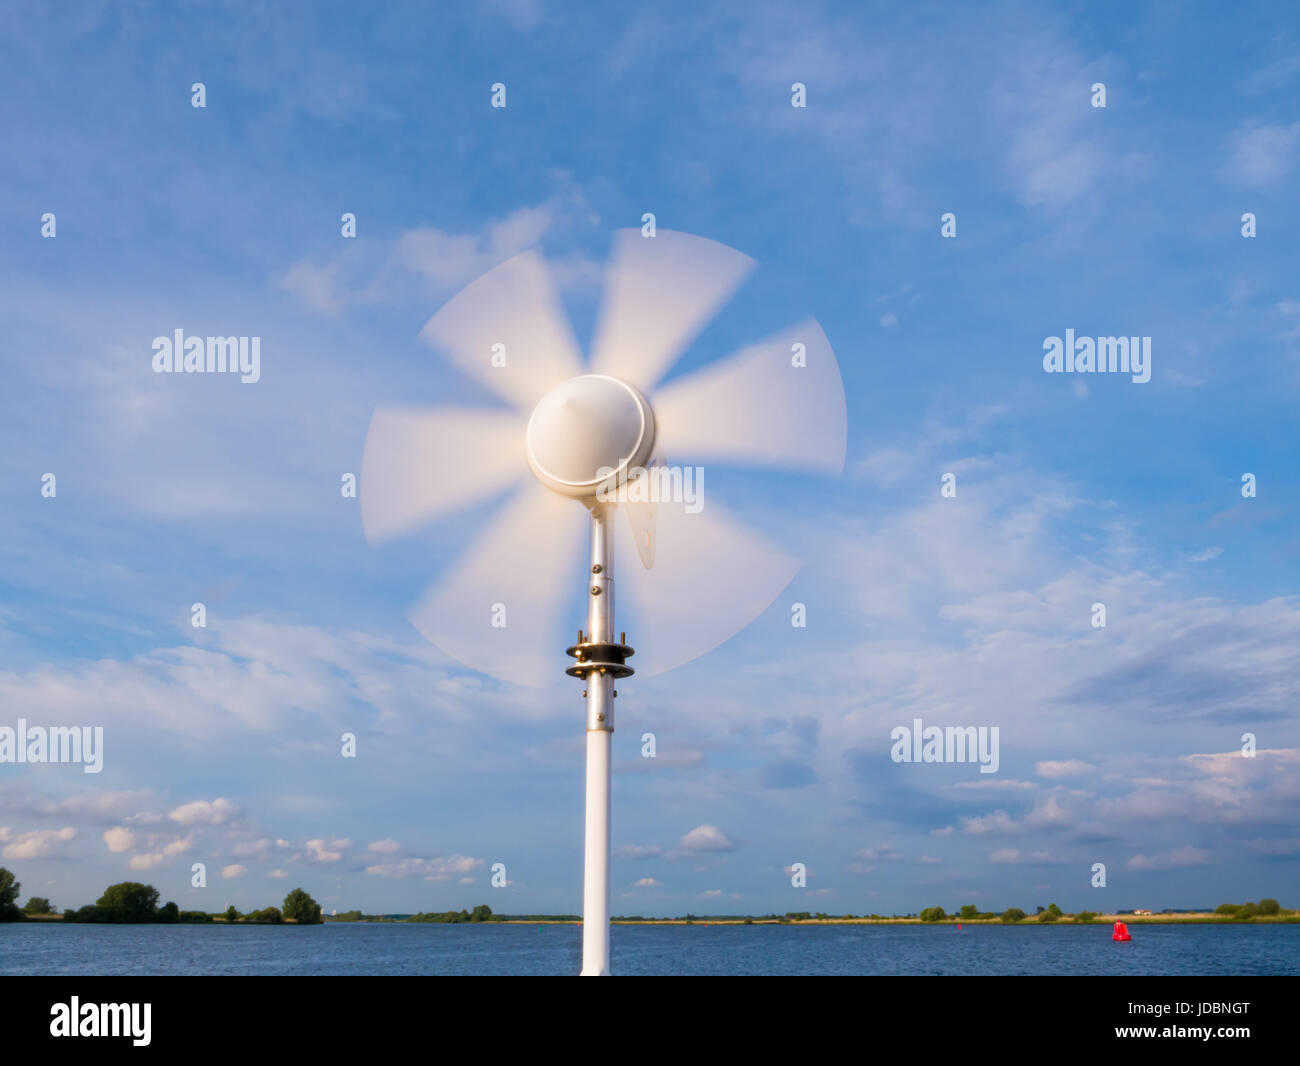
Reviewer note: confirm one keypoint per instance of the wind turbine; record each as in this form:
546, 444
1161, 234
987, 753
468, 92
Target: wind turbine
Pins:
604, 435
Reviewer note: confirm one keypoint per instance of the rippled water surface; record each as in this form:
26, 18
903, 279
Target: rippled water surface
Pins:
339, 948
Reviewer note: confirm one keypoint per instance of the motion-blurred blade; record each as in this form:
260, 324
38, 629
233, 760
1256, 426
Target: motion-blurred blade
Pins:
419, 464
499, 608
659, 291
711, 577
759, 408
641, 517
514, 306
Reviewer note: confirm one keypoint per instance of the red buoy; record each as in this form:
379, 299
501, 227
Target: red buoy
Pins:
1121, 932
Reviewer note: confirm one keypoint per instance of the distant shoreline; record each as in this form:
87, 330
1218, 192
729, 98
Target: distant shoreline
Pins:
1186, 918
1180, 918
1190, 918
130, 902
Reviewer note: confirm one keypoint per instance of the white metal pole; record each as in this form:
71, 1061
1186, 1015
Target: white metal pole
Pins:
600, 730
595, 874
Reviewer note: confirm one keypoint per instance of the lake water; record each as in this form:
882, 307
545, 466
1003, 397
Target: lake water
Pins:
356, 948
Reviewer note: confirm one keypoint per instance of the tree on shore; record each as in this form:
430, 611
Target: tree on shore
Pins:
133, 902
481, 913
933, 914
301, 908
1013, 914
129, 901
9, 889
1268, 908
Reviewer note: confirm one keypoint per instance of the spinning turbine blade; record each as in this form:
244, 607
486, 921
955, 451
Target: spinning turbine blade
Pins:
659, 291
420, 464
711, 578
513, 305
641, 517
499, 607
756, 408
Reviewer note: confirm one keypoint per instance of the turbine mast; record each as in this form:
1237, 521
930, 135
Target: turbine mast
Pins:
601, 662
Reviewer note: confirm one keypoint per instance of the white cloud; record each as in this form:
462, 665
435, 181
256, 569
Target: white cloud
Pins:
37, 844
1290, 311
443, 261
1016, 857
1170, 860
1037, 103
119, 838
233, 871
997, 822
1054, 769
448, 260
431, 869
326, 851
84, 808
461, 864
314, 285
706, 838
1262, 154
205, 812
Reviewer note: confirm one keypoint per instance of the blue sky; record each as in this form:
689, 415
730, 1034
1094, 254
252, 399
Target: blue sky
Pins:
1118, 745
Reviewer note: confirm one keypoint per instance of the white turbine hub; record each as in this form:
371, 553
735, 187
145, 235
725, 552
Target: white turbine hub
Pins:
585, 425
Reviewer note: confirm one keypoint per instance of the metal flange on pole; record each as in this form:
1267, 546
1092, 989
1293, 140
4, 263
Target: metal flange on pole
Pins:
600, 662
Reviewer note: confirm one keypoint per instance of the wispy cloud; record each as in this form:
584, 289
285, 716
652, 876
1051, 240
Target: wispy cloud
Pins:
1262, 154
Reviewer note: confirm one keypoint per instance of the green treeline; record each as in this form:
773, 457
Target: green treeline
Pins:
130, 902
481, 913
1265, 908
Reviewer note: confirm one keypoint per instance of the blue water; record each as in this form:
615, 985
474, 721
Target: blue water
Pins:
347, 948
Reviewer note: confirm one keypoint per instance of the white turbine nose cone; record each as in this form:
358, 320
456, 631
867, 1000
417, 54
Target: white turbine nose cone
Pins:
585, 428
